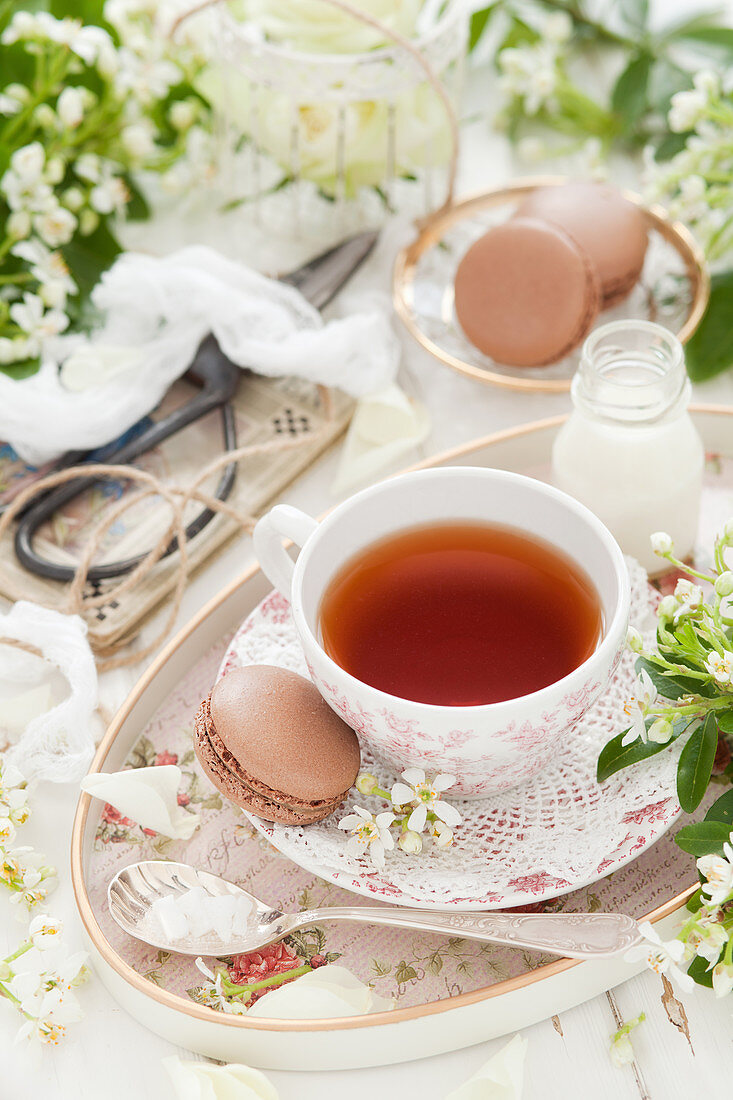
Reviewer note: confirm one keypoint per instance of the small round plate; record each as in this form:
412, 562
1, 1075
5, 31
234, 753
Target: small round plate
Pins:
673, 288
555, 834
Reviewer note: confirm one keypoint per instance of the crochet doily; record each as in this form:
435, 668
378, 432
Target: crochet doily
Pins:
549, 836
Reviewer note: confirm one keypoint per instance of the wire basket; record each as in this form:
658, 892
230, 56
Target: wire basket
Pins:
337, 140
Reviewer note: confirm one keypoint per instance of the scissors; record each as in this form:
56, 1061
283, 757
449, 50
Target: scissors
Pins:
318, 281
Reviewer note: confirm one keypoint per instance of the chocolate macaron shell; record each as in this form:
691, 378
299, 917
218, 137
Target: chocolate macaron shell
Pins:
609, 228
526, 294
269, 742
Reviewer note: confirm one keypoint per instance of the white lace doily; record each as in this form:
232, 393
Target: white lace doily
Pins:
547, 837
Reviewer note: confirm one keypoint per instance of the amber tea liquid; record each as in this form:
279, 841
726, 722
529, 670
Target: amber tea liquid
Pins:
460, 615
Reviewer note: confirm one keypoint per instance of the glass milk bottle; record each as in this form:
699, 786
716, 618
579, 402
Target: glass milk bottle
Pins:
629, 450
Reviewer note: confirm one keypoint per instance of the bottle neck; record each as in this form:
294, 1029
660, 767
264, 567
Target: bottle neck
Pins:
631, 372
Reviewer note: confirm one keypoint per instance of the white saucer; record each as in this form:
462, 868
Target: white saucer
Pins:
550, 836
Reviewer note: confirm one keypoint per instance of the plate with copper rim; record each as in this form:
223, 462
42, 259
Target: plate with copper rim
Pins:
448, 994
673, 288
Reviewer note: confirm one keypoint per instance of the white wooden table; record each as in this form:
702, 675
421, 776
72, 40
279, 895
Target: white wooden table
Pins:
685, 1046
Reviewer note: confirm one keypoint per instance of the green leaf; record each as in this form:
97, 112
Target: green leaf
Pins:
21, 370
725, 721
718, 39
629, 98
670, 146
698, 971
696, 764
614, 756
635, 13
665, 80
710, 349
479, 22
694, 901
722, 810
669, 687
89, 257
703, 837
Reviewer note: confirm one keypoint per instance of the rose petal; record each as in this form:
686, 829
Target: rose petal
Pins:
149, 796
501, 1078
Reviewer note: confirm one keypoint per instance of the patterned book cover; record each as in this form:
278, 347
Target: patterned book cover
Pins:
265, 409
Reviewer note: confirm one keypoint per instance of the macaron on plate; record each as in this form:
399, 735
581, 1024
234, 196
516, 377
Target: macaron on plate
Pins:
504, 286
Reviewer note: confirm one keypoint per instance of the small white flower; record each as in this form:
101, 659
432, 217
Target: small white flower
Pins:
667, 607
55, 170
88, 222
36, 321
661, 957
709, 937
718, 873
688, 595
634, 640
28, 162
722, 979
635, 708
686, 110
88, 167
73, 199
45, 117
44, 931
720, 667
724, 584
425, 798
50, 269
369, 834
7, 830
442, 835
661, 543
70, 106
110, 195
56, 226
410, 842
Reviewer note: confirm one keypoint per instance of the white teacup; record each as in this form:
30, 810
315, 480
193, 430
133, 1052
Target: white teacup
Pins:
491, 747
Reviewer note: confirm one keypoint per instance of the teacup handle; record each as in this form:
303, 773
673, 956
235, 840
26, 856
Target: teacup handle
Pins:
282, 521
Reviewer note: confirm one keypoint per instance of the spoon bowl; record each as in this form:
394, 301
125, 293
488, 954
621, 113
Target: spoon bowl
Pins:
133, 892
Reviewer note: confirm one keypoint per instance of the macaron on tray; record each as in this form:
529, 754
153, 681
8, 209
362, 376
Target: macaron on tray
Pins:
506, 286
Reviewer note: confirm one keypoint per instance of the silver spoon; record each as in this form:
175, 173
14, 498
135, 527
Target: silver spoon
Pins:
134, 889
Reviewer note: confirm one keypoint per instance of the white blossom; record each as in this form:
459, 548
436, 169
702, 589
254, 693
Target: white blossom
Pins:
661, 957
36, 321
55, 225
645, 695
442, 835
718, 873
424, 797
70, 106
139, 139
368, 834
44, 931
686, 110
689, 597
50, 269
661, 543
709, 937
722, 979
720, 667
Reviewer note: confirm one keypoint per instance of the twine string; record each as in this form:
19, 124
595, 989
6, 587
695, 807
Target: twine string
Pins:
177, 497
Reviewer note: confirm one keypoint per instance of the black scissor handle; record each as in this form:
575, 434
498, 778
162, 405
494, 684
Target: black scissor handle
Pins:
219, 379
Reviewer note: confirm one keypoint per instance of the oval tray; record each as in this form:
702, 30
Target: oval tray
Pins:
450, 994
424, 271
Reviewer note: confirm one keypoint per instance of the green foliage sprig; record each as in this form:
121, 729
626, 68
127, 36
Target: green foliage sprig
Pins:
91, 94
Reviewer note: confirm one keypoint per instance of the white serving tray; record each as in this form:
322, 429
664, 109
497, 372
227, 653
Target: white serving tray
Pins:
429, 1023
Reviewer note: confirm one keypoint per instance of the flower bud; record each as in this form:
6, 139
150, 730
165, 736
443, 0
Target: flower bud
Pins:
88, 222
728, 531
73, 198
634, 640
724, 584
19, 225
667, 608
5, 971
661, 543
660, 731
410, 842
55, 170
45, 116
366, 783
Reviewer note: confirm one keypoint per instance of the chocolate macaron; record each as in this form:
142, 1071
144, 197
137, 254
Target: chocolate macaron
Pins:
609, 228
526, 293
269, 742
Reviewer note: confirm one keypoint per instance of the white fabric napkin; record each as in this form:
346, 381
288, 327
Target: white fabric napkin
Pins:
156, 312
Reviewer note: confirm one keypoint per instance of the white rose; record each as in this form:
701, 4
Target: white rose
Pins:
70, 107
328, 992
420, 125
313, 26
204, 1081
